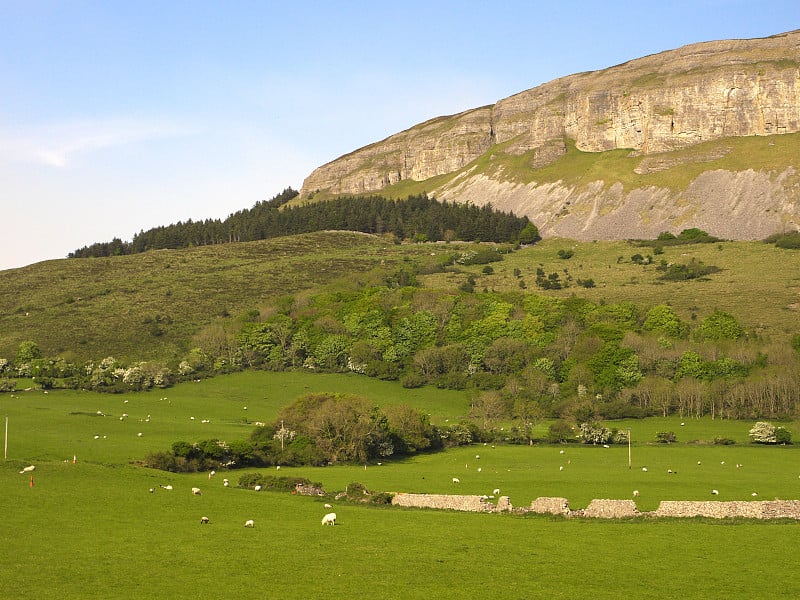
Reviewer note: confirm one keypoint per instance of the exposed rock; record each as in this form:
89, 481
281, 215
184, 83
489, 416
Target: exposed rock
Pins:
652, 105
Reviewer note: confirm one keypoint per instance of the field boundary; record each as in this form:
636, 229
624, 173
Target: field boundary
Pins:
608, 508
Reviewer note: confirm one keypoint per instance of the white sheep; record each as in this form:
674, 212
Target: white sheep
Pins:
635, 493
167, 487
328, 505
329, 519
456, 480
249, 523
257, 488
496, 491
204, 520
644, 469
225, 482
211, 474
715, 492
196, 491
28, 469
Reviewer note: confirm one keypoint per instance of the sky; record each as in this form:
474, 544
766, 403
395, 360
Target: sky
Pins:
120, 116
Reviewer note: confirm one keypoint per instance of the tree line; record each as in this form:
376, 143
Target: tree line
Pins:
417, 218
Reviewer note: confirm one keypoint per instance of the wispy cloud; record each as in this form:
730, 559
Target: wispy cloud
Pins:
59, 144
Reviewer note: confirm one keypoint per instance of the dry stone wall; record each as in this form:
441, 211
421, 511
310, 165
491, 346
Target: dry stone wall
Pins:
448, 502
608, 508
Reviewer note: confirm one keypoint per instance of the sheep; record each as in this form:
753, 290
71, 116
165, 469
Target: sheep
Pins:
28, 469
328, 505
644, 469
166, 487
152, 490
715, 492
196, 492
329, 519
496, 491
211, 474
225, 482
204, 520
635, 493
456, 480
249, 523
754, 494
257, 488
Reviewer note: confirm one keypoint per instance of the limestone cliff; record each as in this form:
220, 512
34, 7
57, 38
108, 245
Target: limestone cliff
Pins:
655, 107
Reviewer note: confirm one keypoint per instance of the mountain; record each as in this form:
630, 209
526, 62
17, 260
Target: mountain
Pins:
707, 136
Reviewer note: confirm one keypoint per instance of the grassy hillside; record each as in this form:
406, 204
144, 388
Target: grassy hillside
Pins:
150, 305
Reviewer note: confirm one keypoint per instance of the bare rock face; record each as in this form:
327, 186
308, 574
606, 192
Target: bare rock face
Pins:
652, 106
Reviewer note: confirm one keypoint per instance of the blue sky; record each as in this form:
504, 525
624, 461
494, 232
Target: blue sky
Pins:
121, 116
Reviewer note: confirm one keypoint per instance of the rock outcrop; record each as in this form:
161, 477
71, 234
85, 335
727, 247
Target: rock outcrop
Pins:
653, 107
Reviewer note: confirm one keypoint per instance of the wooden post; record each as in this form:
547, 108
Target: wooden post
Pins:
629, 448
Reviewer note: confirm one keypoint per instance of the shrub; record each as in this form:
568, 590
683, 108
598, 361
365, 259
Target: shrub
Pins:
594, 433
783, 436
560, 432
763, 433
666, 437
723, 441
412, 380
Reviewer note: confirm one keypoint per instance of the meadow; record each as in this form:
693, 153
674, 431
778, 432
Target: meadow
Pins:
93, 529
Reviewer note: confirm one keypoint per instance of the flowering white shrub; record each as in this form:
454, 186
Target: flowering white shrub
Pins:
594, 433
763, 433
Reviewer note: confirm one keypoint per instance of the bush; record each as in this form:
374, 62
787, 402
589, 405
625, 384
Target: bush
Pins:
783, 436
666, 437
412, 380
723, 441
560, 432
763, 433
594, 433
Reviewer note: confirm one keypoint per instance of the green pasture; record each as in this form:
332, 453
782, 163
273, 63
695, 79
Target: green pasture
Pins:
92, 529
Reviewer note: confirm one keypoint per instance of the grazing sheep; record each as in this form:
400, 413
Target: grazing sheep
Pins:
635, 493
754, 494
225, 482
644, 469
496, 491
257, 488
456, 480
477, 457
28, 469
479, 469
211, 474
139, 434
249, 523
167, 487
152, 490
328, 505
561, 468
204, 520
196, 492
715, 492
329, 519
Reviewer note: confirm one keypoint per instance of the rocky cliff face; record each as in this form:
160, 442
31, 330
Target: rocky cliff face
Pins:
653, 106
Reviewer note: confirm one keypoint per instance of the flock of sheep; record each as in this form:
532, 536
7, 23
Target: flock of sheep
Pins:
327, 519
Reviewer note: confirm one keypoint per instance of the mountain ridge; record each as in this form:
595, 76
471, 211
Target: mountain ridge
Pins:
651, 106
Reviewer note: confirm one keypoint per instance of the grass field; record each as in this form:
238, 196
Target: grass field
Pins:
93, 530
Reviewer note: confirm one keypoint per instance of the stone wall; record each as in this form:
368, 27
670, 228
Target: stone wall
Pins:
553, 506
611, 509
607, 508
775, 509
448, 502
